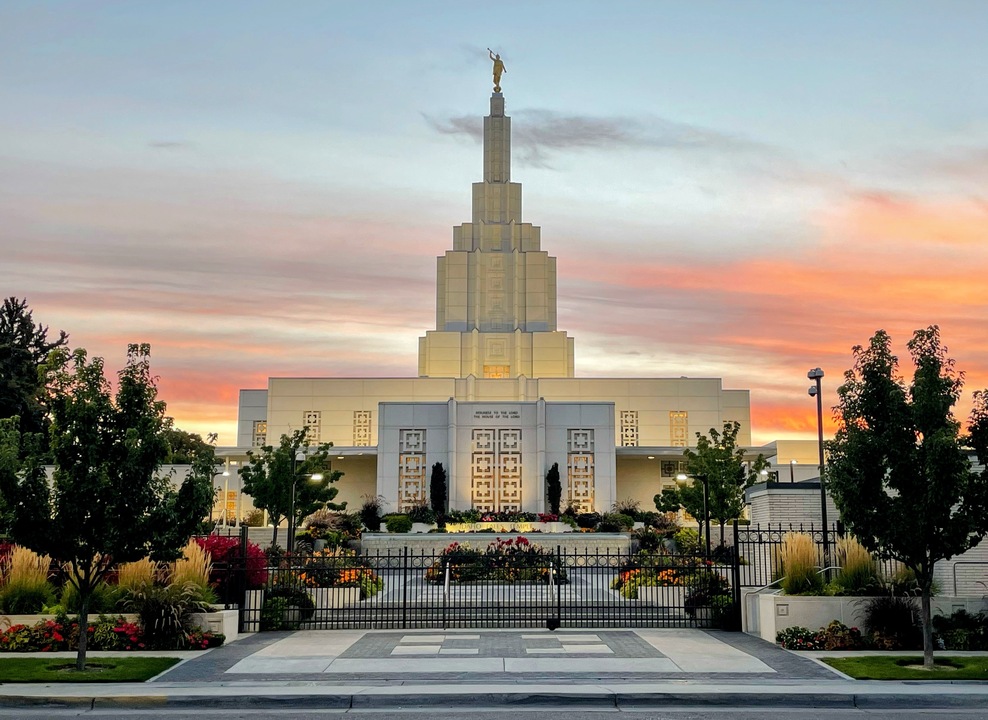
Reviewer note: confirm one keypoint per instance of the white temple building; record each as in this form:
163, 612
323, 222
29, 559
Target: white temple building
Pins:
496, 400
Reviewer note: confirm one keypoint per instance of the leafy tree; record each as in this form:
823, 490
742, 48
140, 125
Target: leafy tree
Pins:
719, 459
553, 488
268, 477
20, 464
183, 447
437, 489
24, 347
897, 471
106, 503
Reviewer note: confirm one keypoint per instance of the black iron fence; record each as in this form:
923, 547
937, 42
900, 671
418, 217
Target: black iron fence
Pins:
760, 557
553, 587
513, 583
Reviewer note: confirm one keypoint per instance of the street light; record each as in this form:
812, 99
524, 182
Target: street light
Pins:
681, 477
816, 374
792, 467
298, 457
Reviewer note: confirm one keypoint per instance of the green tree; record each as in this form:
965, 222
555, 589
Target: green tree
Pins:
183, 447
717, 458
897, 470
106, 502
437, 490
24, 347
268, 477
553, 488
20, 466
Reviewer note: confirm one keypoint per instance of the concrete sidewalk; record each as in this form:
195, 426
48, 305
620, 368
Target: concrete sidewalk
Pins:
586, 668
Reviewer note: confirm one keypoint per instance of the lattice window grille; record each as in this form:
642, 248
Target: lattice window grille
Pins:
260, 434
580, 469
679, 428
411, 441
497, 371
411, 469
361, 428
580, 441
312, 420
672, 468
629, 428
496, 469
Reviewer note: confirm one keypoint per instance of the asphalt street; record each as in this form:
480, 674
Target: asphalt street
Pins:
479, 713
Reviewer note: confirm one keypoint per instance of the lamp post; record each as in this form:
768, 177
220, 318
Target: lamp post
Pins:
297, 458
792, 471
816, 374
705, 524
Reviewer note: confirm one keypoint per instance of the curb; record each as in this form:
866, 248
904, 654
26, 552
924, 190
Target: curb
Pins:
606, 699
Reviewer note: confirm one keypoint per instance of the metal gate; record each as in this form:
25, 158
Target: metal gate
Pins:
518, 586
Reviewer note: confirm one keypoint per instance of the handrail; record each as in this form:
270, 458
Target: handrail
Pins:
775, 582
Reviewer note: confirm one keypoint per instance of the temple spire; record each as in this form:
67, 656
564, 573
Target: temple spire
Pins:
497, 143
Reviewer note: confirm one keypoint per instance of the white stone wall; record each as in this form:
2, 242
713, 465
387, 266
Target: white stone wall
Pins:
785, 503
253, 407
708, 405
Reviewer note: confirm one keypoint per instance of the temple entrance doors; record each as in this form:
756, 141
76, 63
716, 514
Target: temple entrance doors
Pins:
496, 469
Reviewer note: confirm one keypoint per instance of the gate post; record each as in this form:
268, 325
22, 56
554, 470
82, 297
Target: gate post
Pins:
736, 623
559, 586
404, 589
239, 581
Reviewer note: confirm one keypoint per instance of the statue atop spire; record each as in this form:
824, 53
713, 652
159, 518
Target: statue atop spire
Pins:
498, 69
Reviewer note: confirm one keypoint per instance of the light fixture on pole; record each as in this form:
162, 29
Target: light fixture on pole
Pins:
705, 524
297, 458
226, 491
792, 473
816, 374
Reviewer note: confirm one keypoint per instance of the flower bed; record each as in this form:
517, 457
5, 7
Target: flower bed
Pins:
105, 633
768, 615
500, 526
504, 561
340, 568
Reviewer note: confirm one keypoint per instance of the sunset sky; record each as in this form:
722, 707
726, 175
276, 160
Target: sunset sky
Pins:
733, 189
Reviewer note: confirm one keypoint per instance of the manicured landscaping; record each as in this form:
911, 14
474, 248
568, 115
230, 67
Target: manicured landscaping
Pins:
886, 667
47, 670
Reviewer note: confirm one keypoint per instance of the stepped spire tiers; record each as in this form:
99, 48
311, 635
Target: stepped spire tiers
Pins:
496, 289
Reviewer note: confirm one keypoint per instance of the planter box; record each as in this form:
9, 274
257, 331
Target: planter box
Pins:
219, 621
766, 614
334, 597
507, 527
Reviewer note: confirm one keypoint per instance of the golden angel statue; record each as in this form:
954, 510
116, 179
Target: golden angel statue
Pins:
498, 69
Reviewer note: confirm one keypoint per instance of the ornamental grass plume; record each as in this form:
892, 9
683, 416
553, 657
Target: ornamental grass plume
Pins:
193, 567
133, 575
25, 566
800, 561
858, 572
24, 577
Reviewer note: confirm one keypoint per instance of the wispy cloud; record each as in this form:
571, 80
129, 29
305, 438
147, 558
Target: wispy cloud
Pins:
168, 144
539, 133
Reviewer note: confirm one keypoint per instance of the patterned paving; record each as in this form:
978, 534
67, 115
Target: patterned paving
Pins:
490, 656
616, 644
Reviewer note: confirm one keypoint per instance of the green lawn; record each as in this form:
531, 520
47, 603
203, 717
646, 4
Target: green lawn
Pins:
116, 669
884, 667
